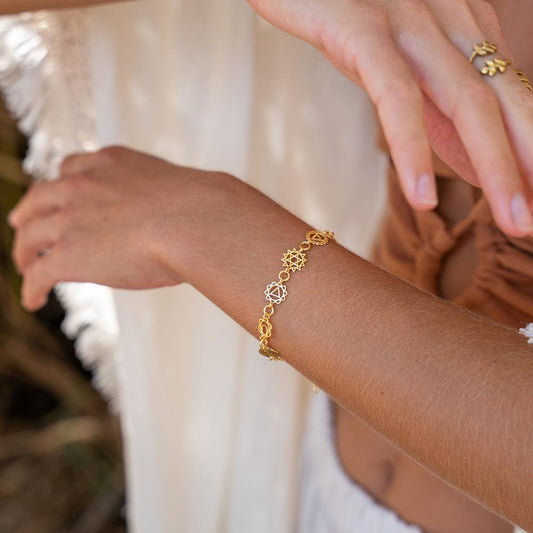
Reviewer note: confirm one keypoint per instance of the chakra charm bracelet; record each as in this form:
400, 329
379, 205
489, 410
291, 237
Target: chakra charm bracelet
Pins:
276, 292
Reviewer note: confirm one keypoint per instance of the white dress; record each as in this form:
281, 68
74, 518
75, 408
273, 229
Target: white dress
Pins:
212, 430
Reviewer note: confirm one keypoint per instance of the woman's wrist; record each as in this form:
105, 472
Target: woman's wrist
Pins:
232, 247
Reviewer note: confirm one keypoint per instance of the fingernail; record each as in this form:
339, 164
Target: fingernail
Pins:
522, 216
425, 190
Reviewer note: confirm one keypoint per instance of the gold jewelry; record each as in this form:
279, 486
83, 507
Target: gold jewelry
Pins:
483, 49
524, 79
494, 66
276, 292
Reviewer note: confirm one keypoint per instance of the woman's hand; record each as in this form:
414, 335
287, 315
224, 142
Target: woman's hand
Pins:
125, 219
411, 56
111, 219
128, 220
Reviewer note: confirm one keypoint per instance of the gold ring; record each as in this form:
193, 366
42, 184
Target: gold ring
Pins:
524, 79
494, 66
483, 49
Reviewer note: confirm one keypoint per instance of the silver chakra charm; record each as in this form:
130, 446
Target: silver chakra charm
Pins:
276, 292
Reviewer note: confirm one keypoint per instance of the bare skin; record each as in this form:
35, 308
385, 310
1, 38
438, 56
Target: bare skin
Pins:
388, 473
384, 471
411, 57
351, 328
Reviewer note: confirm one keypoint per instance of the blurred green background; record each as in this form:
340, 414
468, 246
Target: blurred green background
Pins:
60, 449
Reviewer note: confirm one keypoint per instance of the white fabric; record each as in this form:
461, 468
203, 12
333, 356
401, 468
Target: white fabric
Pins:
212, 430
45, 78
225, 425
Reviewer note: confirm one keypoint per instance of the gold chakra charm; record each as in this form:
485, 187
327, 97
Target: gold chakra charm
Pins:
276, 292
494, 66
294, 260
319, 238
483, 49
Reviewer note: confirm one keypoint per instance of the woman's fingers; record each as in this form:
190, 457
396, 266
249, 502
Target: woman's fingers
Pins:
403, 48
400, 106
42, 198
515, 99
45, 197
41, 277
80, 163
447, 144
462, 95
475, 131
35, 237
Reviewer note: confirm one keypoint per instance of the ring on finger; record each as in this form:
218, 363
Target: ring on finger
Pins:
483, 49
524, 79
492, 66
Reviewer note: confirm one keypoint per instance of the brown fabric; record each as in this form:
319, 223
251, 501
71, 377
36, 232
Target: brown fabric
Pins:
414, 244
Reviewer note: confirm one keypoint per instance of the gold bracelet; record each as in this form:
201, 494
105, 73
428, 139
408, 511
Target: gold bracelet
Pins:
276, 292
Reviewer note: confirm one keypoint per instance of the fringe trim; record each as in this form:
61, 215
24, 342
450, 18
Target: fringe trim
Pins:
45, 81
528, 332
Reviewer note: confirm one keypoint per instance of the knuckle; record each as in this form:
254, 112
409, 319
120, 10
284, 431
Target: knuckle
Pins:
350, 50
398, 90
67, 164
354, 40
406, 89
486, 9
110, 154
78, 183
477, 95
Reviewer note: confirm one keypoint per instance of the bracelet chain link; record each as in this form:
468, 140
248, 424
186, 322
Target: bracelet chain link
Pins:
276, 292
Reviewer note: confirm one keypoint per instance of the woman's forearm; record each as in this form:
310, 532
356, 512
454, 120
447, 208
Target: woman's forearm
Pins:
18, 6
453, 391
